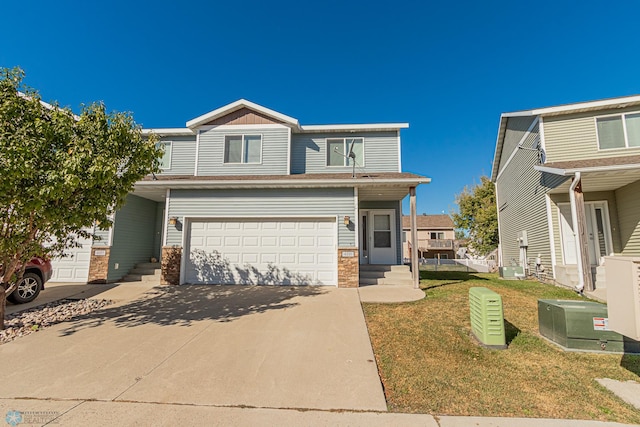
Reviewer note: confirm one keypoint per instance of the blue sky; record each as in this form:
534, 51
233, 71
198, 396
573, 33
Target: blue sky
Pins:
447, 68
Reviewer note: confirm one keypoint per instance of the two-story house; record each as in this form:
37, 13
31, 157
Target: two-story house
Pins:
436, 236
568, 188
247, 195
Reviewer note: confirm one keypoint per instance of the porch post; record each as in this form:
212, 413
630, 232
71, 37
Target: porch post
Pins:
584, 239
579, 220
415, 269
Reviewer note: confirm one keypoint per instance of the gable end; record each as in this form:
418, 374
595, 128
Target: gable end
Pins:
244, 116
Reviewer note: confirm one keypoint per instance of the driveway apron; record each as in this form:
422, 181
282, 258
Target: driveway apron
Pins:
277, 347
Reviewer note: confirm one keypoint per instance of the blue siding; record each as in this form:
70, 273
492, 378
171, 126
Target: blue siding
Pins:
275, 151
183, 155
266, 202
309, 152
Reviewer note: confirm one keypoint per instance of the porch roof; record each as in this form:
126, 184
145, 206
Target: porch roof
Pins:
371, 186
604, 174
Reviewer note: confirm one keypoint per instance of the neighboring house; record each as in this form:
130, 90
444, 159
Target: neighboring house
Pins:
435, 237
248, 195
568, 188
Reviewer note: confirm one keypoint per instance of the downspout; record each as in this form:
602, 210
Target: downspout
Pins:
576, 234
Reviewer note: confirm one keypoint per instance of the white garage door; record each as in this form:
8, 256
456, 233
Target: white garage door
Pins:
74, 267
262, 251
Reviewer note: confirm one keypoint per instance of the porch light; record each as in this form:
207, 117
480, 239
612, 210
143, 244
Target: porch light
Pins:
347, 220
173, 220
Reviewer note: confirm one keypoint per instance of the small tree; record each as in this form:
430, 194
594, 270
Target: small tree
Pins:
478, 215
60, 174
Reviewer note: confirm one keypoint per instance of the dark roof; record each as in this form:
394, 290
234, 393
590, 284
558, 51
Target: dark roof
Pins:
592, 163
429, 221
306, 176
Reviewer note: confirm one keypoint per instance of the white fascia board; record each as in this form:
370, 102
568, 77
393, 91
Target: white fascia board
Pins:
338, 128
502, 127
572, 171
283, 183
577, 106
554, 171
234, 106
169, 132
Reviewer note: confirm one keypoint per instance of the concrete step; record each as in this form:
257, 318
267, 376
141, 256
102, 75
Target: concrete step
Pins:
141, 278
386, 281
148, 265
145, 271
383, 267
382, 274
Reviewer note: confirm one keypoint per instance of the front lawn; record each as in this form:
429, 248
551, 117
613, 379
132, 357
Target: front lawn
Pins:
429, 363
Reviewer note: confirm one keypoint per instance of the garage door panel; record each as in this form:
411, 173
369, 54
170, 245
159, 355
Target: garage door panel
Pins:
287, 241
268, 258
249, 258
270, 241
325, 241
232, 241
262, 251
249, 241
287, 258
306, 259
306, 241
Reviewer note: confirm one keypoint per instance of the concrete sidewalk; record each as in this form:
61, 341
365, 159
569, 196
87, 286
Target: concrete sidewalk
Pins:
109, 413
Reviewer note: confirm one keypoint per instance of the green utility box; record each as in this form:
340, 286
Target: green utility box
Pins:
512, 272
581, 325
487, 321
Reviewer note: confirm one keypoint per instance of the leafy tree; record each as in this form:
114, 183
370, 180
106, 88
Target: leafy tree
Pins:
60, 174
478, 215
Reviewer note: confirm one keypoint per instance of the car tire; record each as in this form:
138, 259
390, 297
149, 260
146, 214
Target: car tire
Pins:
28, 289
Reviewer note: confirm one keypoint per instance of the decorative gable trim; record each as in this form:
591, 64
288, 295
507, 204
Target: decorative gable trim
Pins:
244, 116
242, 112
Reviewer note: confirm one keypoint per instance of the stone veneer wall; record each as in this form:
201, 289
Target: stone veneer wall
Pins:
170, 265
348, 268
99, 264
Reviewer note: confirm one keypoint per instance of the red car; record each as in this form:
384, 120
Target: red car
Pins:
37, 273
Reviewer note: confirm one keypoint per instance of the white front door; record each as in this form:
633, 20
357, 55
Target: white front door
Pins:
382, 237
598, 232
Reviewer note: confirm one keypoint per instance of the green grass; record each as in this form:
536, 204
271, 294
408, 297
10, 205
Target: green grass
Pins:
429, 363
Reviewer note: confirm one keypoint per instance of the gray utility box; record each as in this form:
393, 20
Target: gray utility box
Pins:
581, 325
512, 272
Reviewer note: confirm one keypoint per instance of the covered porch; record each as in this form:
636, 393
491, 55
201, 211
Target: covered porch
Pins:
594, 214
380, 234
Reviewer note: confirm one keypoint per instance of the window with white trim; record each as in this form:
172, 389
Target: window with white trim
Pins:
242, 148
338, 151
619, 131
165, 160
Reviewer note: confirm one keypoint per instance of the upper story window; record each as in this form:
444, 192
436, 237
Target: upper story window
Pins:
338, 151
242, 148
619, 131
437, 235
165, 160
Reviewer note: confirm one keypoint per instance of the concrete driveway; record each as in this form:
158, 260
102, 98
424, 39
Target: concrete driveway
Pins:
270, 347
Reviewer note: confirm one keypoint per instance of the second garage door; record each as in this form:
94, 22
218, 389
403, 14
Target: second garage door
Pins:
75, 266
262, 251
